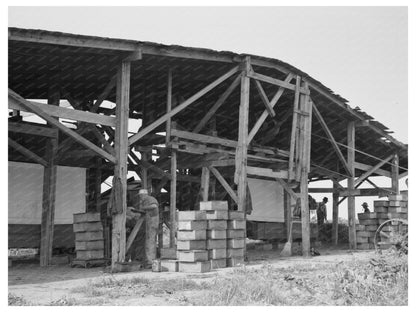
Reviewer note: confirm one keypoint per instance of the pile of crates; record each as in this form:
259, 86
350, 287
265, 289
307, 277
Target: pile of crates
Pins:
393, 208
210, 238
89, 239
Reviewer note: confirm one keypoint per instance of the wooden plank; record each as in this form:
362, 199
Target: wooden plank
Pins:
62, 112
372, 170
217, 104
365, 167
103, 96
332, 139
240, 177
172, 219
270, 136
308, 130
169, 107
335, 214
351, 199
321, 190
27, 128
276, 82
205, 183
266, 172
224, 183
182, 106
34, 109
29, 154
287, 188
395, 174
367, 192
265, 113
133, 233
403, 174
305, 218
294, 131
119, 209
264, 98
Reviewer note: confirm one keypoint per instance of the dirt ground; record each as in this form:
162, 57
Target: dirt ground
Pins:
55, 284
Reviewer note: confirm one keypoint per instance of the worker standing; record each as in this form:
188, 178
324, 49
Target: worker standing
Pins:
150, 207
321, 214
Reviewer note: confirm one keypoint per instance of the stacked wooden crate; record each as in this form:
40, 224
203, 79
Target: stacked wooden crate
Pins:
393, 208
192, 250
89, 238
217, 216
236, 229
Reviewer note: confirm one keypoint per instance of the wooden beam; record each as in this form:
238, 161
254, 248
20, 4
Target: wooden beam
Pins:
217, 104
367, 192
28, 128
224, 183
372, 170
103, 96
287, 188
332, 139
34, 109
270, 136
119, 209
276, 82
240, 177
351, 198
395, 174
169, 106
62, 112
293, 136
205, 183
321, 190
182, 106
264, 98
403, 174
133, 233
29, 154
173, 168
335, 214
265, 113
365, 167
266, 172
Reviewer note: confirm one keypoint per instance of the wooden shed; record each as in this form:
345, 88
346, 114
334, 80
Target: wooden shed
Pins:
201, 123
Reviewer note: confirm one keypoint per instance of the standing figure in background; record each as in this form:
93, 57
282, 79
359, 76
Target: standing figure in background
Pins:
149, 205
321, 214
365, 207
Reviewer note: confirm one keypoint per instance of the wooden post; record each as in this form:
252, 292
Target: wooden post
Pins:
205, 183
293, 137
173, 168
304, 154
351, 198
169, 106
395, 174
120, 168
240, 177
288, 211
49, 190
335, 199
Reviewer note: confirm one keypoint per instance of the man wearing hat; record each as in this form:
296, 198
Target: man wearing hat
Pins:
365, 207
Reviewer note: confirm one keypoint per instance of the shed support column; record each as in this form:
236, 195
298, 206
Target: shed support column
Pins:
395, 175
304, 155
49, 190
351, 198
240, 177
120, 169
335, 199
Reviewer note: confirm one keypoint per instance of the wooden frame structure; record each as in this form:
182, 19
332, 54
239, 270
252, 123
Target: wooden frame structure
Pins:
280, 125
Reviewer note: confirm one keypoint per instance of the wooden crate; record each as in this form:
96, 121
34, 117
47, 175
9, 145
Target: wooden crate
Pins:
192, 225
88, 227
218, 263
381, 203
192, 255
191, 244
169, 265
216, 214
89, 236
216, 234
90, 254
232, 262
195, 267
191, 215
236, 224
235, 243
217, 253
192, 235
217, 224
213, 205
216, 243
235, 253
89, 245
235, 234
87, 217
236, 215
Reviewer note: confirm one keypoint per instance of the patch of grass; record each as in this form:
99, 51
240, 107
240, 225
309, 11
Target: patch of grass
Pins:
381, 281
14, 300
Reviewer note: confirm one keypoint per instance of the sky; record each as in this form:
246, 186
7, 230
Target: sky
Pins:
358, 52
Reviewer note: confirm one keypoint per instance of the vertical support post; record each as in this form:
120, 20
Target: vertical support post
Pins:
205, 183
120, 169
351, 198
144, 171
49, 189
293, 137
395, 174
240, 177
173, 164
173, 168
288, 212
335, 214
304, 154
